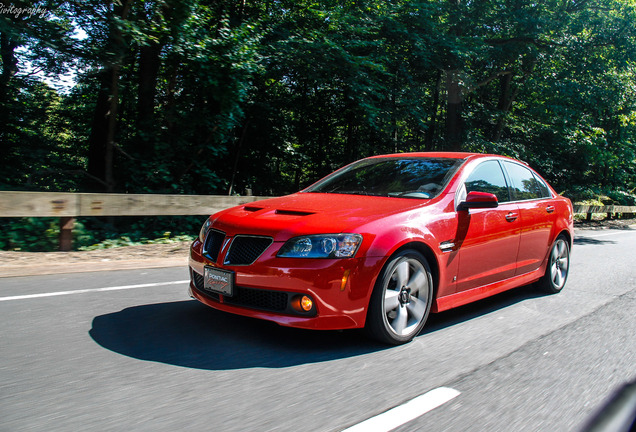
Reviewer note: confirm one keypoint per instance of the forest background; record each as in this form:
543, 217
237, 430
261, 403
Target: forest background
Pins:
216, 97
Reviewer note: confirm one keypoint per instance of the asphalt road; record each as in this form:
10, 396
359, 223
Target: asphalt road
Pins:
128, 350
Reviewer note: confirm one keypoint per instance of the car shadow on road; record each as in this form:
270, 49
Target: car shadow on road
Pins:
189, 334
442, 320
583, 240
192, 335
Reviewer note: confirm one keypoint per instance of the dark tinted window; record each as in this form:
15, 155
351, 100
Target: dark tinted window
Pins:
524, 184
395, 177
543, 188
488, 177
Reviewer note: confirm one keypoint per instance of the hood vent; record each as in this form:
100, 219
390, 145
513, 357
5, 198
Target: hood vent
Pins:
293, 212
252, 208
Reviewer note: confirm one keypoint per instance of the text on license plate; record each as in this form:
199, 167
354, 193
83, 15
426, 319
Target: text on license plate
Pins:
218, 281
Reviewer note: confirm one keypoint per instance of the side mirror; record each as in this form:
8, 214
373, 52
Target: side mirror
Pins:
476, 199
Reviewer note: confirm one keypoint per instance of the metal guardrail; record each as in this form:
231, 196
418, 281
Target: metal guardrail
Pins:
68, 206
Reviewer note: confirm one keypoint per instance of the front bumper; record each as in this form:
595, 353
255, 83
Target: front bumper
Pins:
340, 289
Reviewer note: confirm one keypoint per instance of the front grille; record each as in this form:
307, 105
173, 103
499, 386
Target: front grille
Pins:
213, 244
246, 249
198, 280
276, 301
266, 300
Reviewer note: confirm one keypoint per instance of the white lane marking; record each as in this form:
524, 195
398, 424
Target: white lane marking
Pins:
406, 412
622, 232
83, 291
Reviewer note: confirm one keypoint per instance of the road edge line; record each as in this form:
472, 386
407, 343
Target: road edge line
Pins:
90, 290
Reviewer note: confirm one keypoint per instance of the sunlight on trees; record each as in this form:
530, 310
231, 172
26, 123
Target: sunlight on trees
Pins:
207, 97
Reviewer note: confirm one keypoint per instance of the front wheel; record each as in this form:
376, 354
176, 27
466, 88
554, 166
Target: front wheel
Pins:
556, 273
401, 300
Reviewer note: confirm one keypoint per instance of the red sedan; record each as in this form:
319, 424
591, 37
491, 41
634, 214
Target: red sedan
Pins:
384, 241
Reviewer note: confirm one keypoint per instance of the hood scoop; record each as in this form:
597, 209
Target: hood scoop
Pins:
293, 212
252, 208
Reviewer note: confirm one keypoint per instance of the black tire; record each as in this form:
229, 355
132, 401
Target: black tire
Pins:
401, 299
556, 272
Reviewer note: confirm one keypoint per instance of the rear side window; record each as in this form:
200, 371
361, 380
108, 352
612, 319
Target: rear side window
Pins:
543, 188
488, 177
524, 184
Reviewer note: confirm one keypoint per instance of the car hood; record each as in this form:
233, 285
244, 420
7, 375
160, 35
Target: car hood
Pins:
310, 213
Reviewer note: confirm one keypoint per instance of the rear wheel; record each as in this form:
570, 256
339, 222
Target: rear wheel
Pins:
556, 273
401, 299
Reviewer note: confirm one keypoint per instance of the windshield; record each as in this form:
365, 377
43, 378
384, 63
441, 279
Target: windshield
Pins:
393, 177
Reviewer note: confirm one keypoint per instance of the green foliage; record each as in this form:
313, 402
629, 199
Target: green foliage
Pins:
210, 97
29, 234
42, 234
126, 241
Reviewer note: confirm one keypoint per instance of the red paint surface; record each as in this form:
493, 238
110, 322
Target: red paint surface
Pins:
495, 249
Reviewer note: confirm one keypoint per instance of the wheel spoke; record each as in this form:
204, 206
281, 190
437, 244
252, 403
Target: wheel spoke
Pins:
417, 309
555, 254
391, 300
402, 273
554, 270
565, 264
417, 282
562, 253
558, 279
399, 323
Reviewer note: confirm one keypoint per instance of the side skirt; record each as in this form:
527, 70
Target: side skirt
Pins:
465, 297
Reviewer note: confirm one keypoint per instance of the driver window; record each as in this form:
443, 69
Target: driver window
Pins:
488, 177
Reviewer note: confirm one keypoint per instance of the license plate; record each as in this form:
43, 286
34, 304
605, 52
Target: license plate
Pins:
218, 281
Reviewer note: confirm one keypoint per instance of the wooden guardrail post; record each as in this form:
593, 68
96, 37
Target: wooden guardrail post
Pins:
66, 233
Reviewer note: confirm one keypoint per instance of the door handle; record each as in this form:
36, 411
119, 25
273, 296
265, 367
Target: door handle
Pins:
550, 209
511, 217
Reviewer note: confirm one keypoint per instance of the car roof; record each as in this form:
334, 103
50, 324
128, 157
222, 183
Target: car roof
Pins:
451, 155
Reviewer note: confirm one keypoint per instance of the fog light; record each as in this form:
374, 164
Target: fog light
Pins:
302, 303
306, 303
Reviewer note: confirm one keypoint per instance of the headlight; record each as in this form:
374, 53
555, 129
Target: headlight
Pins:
321, 246
204, 229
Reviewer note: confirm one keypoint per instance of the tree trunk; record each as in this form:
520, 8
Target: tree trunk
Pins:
432, 125
237, 157
504, 105
149, 63
507, 96
394, 126
99, 135
9, 64
454, 126
9, 69
102, 138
